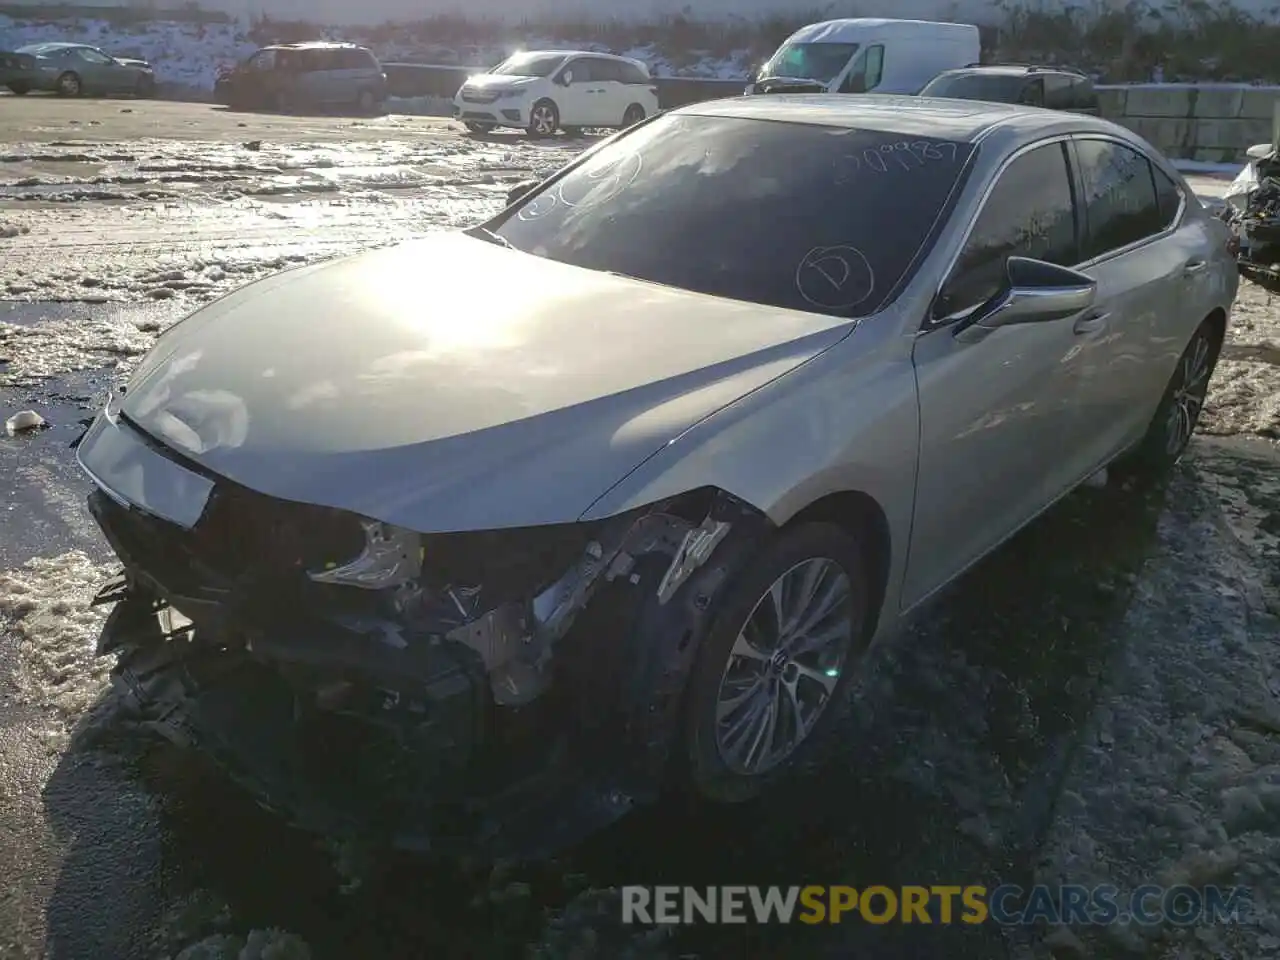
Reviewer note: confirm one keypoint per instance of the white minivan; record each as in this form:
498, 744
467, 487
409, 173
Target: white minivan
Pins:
867, 55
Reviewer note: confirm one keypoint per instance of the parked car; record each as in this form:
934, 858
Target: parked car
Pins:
1057, 88
467, 568
294, 76
543, 91
73, 70
1251, 210
865, 54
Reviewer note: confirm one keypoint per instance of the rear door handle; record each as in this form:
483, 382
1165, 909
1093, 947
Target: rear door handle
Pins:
1192, 267
1091, 323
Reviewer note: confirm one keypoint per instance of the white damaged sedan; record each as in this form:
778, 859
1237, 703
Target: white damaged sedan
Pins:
485, 571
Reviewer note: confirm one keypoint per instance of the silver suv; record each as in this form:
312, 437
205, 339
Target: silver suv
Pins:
292, 76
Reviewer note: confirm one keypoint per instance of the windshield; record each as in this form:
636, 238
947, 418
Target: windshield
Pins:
993, 88
529, 65
809, 61
805, 217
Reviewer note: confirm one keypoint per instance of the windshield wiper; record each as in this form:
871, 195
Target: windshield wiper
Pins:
484, 233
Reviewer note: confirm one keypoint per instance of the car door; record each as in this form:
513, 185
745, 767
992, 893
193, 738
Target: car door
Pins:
995, 412
572, 98
1149, 275
608, 93
866, 71
99, 72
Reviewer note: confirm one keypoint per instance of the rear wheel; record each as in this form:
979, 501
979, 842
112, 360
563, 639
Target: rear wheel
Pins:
634, 114
784, 642
19, 89
69, 85
544, 119
1175, 419
145, 88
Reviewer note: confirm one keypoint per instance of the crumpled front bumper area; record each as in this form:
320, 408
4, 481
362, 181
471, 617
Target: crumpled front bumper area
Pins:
347, 726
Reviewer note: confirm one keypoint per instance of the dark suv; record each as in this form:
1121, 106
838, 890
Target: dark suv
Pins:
290, 76
1057, 88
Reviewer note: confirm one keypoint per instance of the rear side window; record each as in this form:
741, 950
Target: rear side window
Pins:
630, 73
1119, 199
805, 217
1029, 213
1058, 92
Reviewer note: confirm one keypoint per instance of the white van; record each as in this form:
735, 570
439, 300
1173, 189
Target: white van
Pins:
867, 55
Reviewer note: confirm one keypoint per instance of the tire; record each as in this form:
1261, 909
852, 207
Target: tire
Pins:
366, 103
1175, 419
69, 85
717, 769
633, 115
19, 89
544, 119
145, 89
478, 128
284, 102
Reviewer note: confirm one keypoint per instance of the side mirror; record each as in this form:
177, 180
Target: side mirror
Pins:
565, 78
753, 75
521, 190
1259, 151
1034, 292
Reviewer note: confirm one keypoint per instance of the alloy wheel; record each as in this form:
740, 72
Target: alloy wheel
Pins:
543, 120
1187, 399
784, 666
69, 84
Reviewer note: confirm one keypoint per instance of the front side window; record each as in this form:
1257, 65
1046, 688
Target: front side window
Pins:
605, 71
92, 56
806, 217
1029, 213
1119, 196
809, 61
529, 65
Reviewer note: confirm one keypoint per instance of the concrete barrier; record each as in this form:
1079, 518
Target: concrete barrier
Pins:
1208, 122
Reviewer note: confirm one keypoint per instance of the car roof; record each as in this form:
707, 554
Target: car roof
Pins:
316, 45
964, 121
1011, 70
579, 53
54, 45
851, 28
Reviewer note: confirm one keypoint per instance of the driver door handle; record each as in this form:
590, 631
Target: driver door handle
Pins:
1192, 267
1092, 322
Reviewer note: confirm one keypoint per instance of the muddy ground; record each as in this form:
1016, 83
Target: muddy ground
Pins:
1099, 702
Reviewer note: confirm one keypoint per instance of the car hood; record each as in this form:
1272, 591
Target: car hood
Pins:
449, 383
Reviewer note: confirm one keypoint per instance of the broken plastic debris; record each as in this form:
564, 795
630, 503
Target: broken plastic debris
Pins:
20, 422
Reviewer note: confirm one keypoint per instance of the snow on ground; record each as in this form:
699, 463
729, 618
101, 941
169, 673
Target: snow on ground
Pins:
191, 54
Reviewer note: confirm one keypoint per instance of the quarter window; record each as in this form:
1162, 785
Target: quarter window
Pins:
1119, 199
1168, 196
1029, 213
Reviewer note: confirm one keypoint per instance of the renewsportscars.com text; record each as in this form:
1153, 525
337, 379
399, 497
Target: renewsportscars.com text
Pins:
1007, 905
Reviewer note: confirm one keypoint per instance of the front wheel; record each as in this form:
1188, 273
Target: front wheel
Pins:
633, 115
69, 85
1175, 419
146, 88
19, 89
783, 644
544, 119
478, 128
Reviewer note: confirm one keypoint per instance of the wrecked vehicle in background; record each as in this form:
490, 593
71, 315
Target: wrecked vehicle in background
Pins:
1251, 209
480, 574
